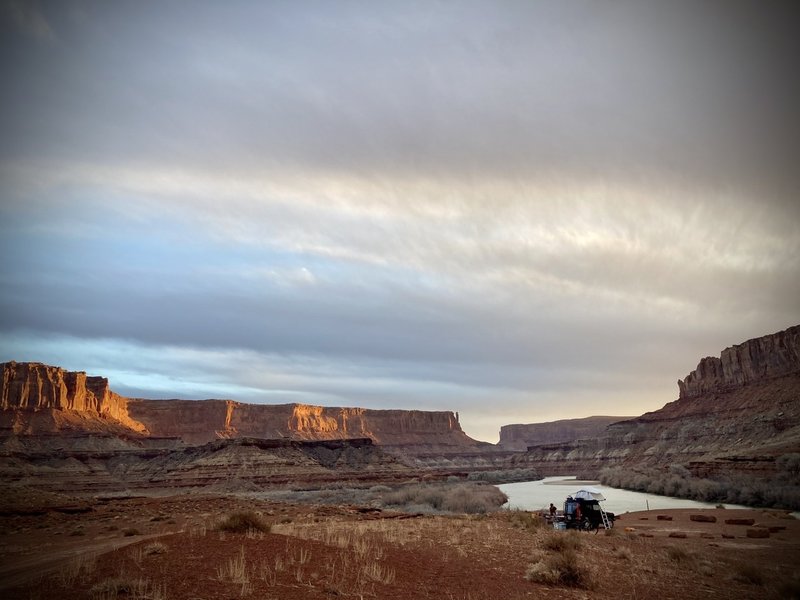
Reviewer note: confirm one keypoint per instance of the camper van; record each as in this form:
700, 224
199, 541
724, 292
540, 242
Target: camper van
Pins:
582, 510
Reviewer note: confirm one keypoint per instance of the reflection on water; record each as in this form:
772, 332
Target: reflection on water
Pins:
535, 495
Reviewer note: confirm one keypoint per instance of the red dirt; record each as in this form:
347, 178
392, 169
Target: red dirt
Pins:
340, 552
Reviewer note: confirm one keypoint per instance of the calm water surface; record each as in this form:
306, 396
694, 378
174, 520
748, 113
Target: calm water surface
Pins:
535, 495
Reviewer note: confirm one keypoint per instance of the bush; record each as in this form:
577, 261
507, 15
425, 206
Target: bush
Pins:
454, 498
131, 531
561, 568
747, 573
243, 522
562, 542
526, 520
679, 555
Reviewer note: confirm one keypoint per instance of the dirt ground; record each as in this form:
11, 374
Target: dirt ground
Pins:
169, 548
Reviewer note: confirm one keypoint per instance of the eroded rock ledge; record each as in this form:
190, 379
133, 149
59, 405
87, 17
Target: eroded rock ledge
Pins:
755, 360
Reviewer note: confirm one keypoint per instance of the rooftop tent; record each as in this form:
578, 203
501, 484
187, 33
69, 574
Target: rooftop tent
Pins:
589, 493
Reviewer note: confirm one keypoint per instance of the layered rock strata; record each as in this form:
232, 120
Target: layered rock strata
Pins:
520, 436
244, 464
736, 416
755, 360
38, 399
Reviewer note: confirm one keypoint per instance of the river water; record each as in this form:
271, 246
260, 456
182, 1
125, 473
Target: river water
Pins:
536, 495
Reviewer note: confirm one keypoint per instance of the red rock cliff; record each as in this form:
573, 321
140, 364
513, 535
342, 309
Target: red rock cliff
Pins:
40, 388
73, 401
198, 421
758, 359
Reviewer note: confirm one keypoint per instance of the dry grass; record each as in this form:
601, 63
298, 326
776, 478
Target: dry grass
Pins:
678, 554
79, 568
243, 522
560, 568
747, 573
234, 570
128, 588
528, 521
623, 553
154, 548
561, 542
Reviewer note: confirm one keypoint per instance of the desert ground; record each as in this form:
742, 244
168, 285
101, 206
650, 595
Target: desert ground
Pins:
174, 548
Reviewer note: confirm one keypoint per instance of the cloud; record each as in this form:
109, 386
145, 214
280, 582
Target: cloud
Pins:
544, 208
27, 17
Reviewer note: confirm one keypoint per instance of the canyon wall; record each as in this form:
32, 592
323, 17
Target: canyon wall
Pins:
737, 420
34, 387
755, 360
520, 436
200, 421
37, 398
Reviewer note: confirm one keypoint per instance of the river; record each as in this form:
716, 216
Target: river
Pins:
536, 495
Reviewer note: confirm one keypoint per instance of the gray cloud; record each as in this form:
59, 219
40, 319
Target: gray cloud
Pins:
543, 207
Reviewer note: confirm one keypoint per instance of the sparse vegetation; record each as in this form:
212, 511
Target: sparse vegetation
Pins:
243, 522
505, 476
748, 573
128, 588
560, 568
561, 542
678, 554
155, 548
526, 520
783, 490
453, 498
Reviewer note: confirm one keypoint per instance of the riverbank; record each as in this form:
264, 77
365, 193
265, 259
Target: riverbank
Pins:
536, 495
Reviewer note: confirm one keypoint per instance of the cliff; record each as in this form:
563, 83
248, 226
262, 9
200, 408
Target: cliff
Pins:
200, 421
737, 419
37, 399
56, 399
519, 437
755, 360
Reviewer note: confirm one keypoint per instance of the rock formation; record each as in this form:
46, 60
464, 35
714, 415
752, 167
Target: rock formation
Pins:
519, 437
737, 418
37, 398
755, 360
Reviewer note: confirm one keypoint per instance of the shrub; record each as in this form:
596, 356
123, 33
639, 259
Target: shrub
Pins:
747, 573
455, 498
526, 520
561, 568
679, 555
243, 522
562, 542
623, 553
131, 531
155, 548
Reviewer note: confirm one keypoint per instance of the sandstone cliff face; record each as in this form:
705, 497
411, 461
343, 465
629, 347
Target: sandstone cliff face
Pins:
26, 387
519, 437
755, 360
36, 399
201, 421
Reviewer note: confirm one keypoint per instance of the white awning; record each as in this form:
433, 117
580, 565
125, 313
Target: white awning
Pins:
589, 493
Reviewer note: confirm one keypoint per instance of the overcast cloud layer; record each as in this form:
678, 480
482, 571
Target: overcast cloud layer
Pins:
518, 211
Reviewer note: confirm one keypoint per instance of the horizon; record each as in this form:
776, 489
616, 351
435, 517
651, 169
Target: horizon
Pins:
520, 213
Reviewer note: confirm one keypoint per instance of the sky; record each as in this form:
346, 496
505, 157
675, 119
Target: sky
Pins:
519, 211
